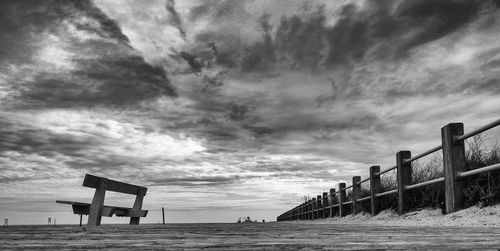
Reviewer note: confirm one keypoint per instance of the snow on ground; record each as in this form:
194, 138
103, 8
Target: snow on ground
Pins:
472, 216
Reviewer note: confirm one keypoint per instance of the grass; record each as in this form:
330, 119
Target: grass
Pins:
482, 189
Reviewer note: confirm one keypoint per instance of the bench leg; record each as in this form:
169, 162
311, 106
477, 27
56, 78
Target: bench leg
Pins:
97, 203
137, 206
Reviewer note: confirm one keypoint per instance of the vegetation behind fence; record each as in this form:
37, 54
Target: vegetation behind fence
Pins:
459, 187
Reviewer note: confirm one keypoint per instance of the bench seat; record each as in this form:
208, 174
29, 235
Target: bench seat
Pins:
108, 211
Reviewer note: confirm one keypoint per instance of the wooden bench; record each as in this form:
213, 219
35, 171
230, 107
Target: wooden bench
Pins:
97, 209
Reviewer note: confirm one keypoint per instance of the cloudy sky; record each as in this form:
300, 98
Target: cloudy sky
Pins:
229, 108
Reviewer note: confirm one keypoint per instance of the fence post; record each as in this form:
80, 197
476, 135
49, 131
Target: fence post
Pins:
301, 211
342, 199
332, 201
356, 194
404, 173
374, 188
453, 161
319, 209
309, 209
325, 204
314, 206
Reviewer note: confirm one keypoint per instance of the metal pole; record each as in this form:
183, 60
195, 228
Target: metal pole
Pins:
163, 213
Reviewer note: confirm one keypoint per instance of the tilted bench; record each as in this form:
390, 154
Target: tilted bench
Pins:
97, 209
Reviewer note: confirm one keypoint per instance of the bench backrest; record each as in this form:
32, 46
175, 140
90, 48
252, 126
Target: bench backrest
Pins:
113, 185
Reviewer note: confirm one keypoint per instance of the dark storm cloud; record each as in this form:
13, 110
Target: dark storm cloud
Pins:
200, 180
25, 138
375, 30
380, 29
174, 18
103, 67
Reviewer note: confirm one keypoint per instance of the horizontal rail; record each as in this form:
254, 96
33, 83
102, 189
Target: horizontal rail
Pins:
436, 148
425, 183
386, 193
363, 199
478, 130
385, 171
336, 205
347, 202
345, 189
479, 170
365, 180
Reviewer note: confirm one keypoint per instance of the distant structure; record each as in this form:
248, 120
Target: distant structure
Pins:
50, 221
6, 222
97, 209
163, 214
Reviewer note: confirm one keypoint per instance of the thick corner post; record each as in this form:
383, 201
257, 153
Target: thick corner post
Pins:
374, 188
454, 161
356, 194
97, 203
404, 178
342, 199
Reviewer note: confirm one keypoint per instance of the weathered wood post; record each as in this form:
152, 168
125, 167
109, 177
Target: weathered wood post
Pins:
404, 173
342, 199
319, 214
453, 161
81, 220
309, 209
97, 203
325, 204
163, 214
302, 211
137, 206
314, 206
374, 188
332, 202
356, 194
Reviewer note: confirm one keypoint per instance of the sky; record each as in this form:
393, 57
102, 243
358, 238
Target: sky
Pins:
229, 108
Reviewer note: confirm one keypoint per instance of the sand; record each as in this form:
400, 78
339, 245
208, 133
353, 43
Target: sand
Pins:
473, 216
472, 228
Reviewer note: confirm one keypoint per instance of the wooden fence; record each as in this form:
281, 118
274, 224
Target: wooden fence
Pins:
453, 149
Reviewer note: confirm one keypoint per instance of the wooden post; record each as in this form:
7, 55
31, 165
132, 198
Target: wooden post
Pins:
97, 203
325, 205
81, 219
454, 161
163, 214
332, 202
319, 214
342, 199
374, 189
313, 208
356, 194
300, 210
404, 173
137, 206
310, 210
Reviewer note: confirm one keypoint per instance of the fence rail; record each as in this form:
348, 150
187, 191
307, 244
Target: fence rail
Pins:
453, 150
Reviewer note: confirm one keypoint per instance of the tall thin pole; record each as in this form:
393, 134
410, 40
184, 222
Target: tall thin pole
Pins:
80, 220
163, 213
